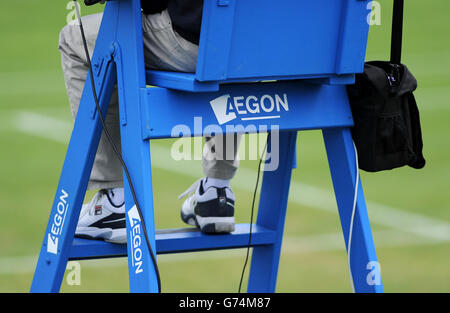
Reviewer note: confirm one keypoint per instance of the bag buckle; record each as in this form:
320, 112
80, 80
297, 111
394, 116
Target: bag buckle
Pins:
394, 76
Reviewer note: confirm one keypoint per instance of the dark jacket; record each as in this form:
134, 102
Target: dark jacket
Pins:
186, 15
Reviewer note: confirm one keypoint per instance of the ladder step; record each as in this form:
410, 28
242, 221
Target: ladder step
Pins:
175, 241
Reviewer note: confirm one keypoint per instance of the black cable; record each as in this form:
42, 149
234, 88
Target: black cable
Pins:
114, 147
251, 214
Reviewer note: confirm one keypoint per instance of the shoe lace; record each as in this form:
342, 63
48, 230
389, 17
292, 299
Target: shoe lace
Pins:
191, 189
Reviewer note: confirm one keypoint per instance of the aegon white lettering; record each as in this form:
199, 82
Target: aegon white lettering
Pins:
227, 108
58, 222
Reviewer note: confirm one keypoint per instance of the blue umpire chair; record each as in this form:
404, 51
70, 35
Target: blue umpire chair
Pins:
280, 64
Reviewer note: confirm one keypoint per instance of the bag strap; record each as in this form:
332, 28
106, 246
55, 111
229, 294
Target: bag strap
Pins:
397, 32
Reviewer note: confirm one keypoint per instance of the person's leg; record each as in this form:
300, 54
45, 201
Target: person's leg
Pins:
106, 210
220, 156
107, 171
164, 49
211, 206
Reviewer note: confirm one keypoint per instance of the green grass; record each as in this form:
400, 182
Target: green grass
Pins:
31, 81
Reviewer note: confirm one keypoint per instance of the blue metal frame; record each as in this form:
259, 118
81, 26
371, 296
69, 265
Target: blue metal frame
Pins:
183, 98
291, 105
292, 38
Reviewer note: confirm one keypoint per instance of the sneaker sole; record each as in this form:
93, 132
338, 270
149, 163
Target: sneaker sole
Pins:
218, 228
214, 225
189, 219
210, 224
118, 236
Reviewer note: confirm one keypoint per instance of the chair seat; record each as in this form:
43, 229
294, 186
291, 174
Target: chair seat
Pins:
179, 81
188, 81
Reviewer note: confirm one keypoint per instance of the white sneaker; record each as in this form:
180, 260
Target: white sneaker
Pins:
102, 219
209, 208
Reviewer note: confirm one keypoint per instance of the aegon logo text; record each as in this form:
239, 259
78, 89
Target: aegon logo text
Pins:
136, 240
227, 108
58, 223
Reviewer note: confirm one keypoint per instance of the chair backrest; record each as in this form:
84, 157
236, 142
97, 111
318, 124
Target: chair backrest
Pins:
281, 39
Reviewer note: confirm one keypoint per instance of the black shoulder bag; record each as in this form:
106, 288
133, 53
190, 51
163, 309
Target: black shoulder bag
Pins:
387, 131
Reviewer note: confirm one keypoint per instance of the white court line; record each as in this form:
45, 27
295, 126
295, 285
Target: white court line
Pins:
42, 126
302, 194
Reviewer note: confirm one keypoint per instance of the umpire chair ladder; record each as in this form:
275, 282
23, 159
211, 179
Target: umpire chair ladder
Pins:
291, 59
